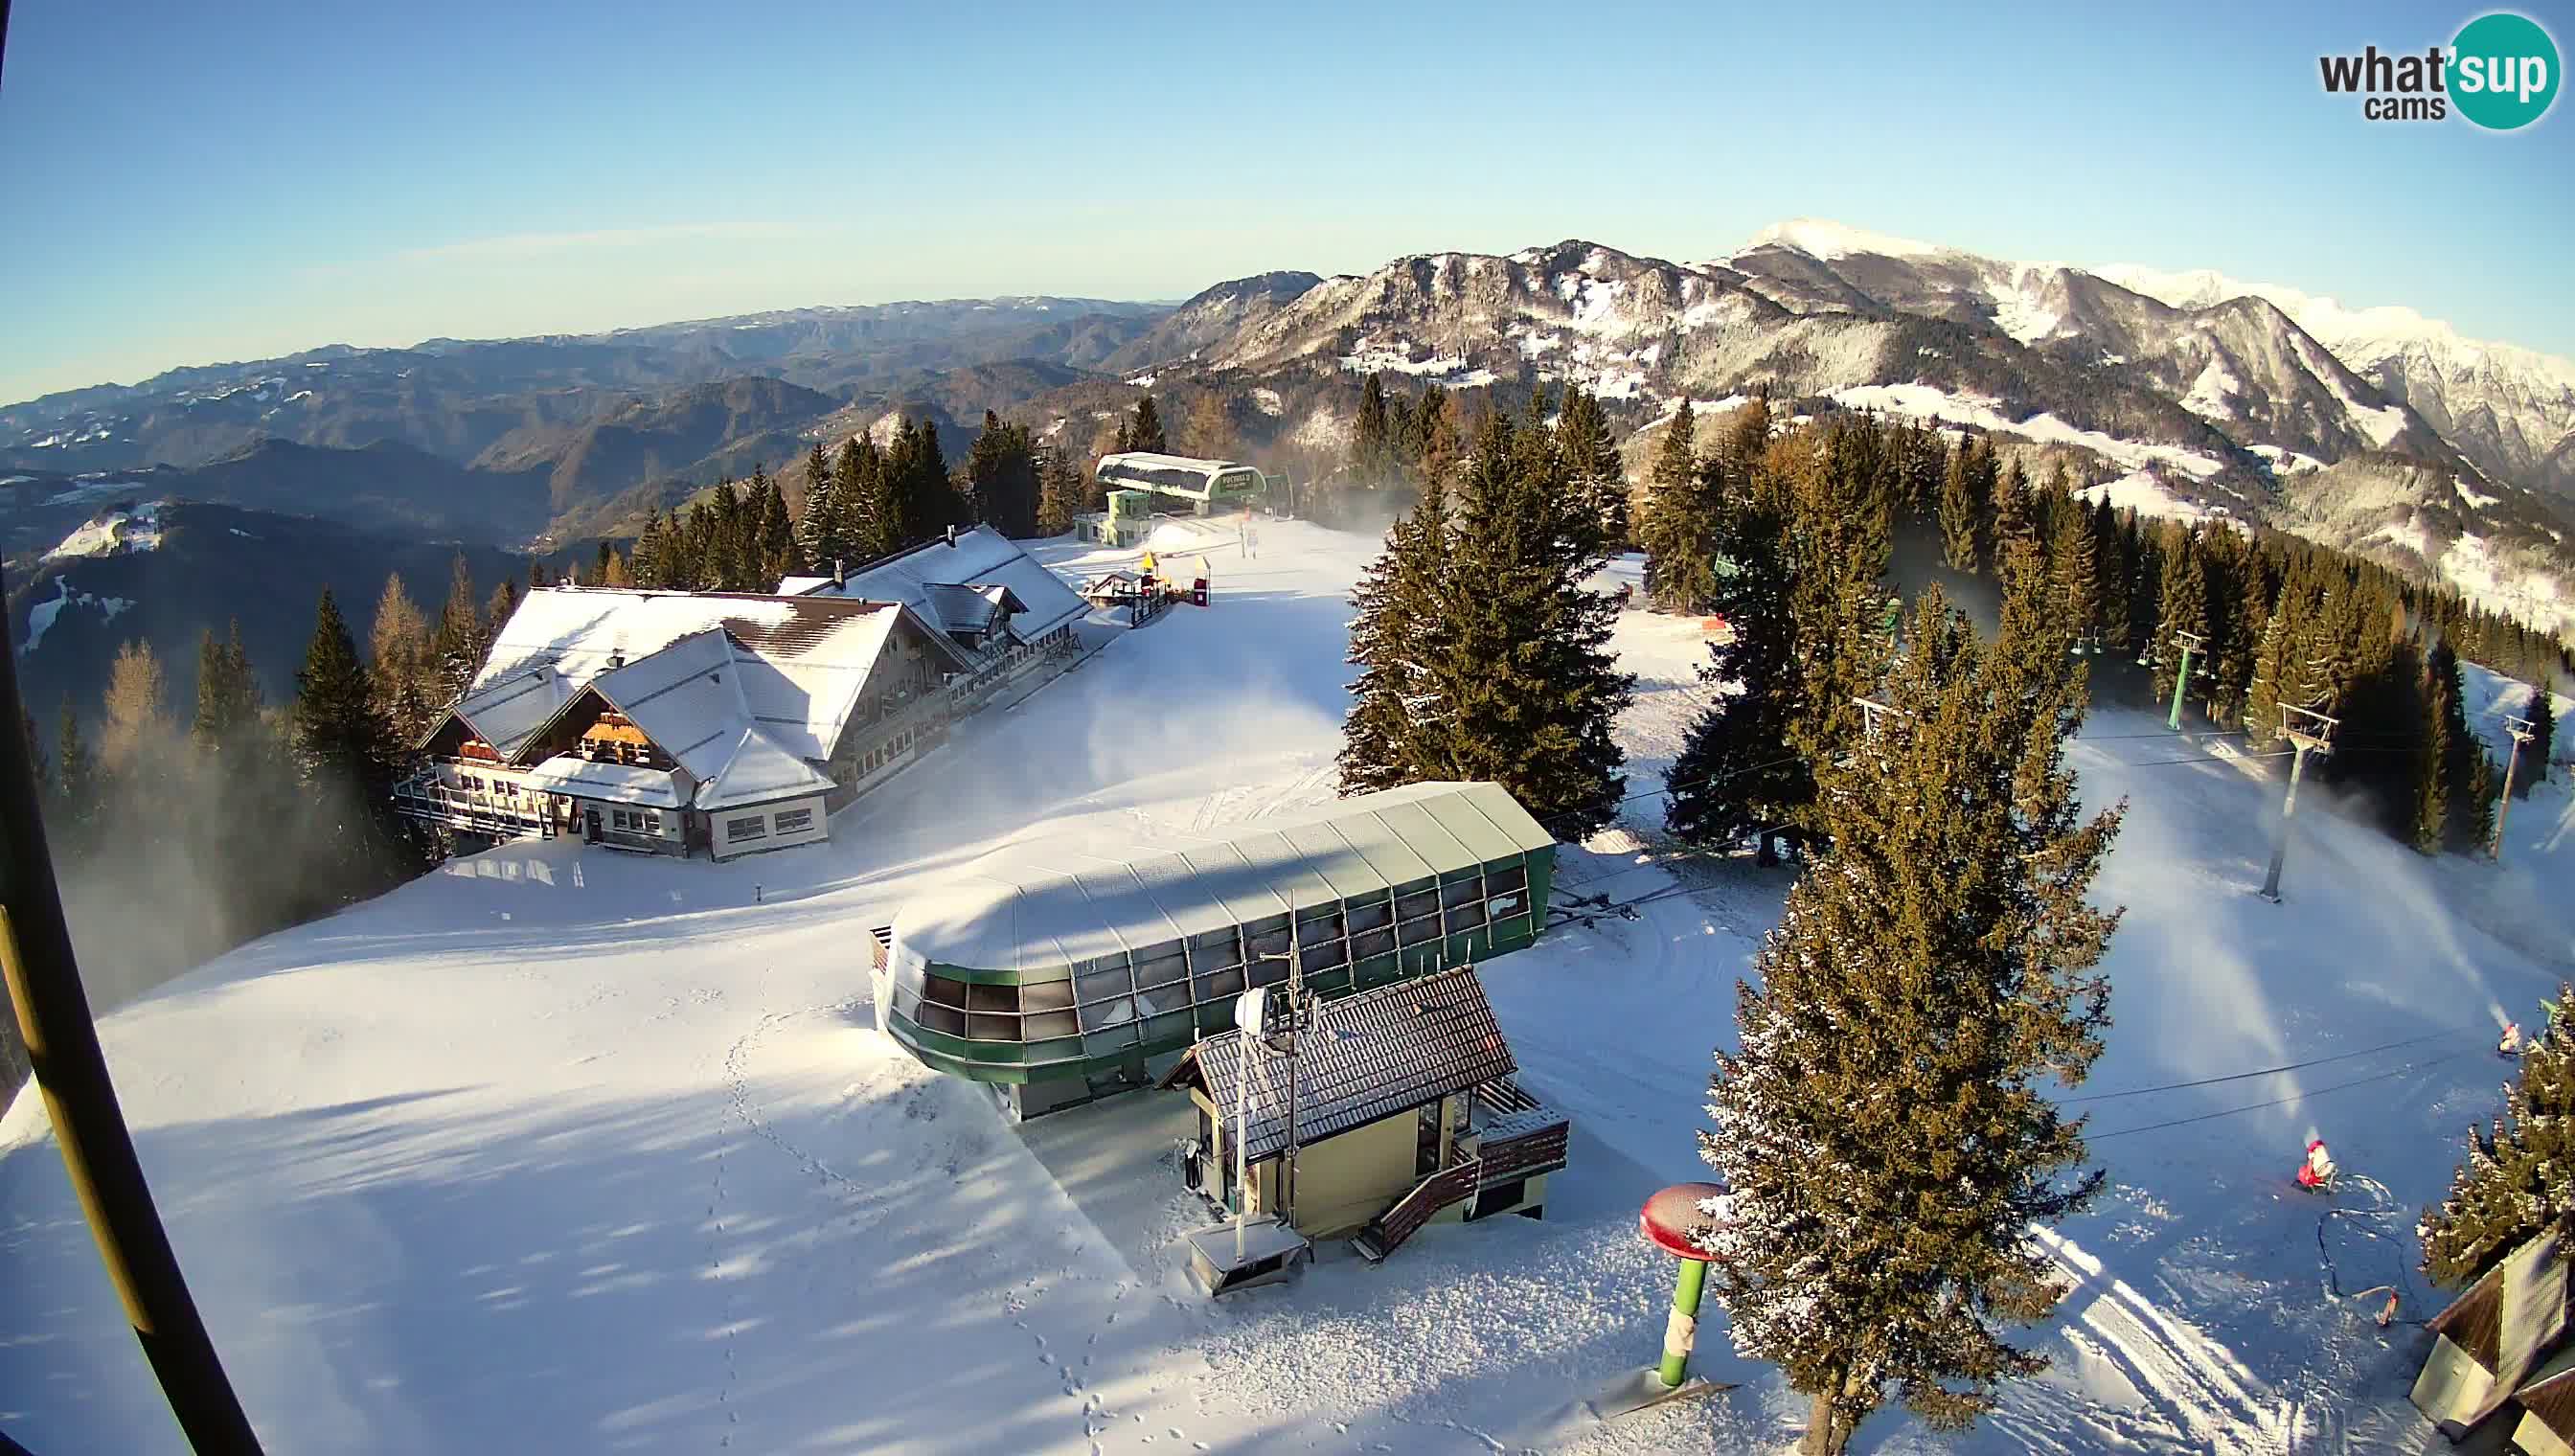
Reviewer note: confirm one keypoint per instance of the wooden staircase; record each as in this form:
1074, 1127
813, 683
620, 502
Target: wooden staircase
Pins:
1387, 1232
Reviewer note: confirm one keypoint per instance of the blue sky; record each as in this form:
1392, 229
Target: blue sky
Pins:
190, 183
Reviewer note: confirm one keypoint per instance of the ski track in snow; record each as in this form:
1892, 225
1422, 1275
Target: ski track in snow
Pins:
2197, 1385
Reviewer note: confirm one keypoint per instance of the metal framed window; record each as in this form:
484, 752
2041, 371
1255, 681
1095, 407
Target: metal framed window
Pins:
1118, 1012
1044, 1026
1109, 982
1161, 966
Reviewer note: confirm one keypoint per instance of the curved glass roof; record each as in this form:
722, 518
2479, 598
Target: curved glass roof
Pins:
1064, 902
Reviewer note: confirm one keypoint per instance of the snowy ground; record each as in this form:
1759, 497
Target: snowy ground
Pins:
560, 1149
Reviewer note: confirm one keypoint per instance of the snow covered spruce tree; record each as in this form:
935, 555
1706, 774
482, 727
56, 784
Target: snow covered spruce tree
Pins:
2518, 1176
1883, 1128
1388, 738
1481, 652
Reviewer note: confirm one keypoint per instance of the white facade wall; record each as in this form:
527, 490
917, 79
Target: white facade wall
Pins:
658, 826
774, 826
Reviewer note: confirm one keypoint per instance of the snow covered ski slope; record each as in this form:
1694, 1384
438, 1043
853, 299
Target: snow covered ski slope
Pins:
557, 1150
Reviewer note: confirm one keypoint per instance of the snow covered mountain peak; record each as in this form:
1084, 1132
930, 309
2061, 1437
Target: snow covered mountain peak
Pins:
1825, 240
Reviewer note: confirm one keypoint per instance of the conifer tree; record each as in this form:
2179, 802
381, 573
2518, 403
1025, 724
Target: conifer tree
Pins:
1002, 475
1059, 491
1883, 1129
2263, 696
461, 639
1960, 513
1534, 684
2131, 593
2542, 714
614, 570
2076, 561
336, 727
1736, 773
2461, 758
496, 613
1397, 704
1505, 667
1678, 529
136, 731
2427, 826
1209, 431
1599, 477
817, 530
1145, 433
2485, 790
872, 499
2517, 1178
1436, 443
2184, 608
775, 553
650, 566
2012, 525
76, 778
348, 760
38, 768
1371, 457
1838, 542
228, 704
2241, 632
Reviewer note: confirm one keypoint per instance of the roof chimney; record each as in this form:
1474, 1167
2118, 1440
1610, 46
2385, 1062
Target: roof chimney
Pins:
839, 573
616, 658
951, 536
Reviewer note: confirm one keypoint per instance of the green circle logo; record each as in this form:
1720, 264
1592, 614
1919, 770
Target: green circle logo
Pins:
2503, 71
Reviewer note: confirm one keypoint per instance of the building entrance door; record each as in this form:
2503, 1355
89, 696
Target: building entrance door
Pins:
590, 825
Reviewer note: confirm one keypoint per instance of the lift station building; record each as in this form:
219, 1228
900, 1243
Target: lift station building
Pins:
1067, 969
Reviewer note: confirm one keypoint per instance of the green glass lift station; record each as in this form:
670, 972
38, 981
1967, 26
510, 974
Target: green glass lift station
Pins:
1067, 969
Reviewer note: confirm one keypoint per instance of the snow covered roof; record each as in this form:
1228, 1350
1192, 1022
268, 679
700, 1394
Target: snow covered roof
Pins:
981, 560
1072, 898
796, 664
1366, 1056
738, 723
610, 782
756, 770
2510, 1319
1174, 472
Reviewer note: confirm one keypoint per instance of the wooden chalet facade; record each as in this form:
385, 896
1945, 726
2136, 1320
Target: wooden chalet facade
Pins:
730, 722
1406, 1115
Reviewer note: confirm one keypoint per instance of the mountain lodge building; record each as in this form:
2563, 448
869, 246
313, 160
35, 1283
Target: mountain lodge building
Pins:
733, 723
